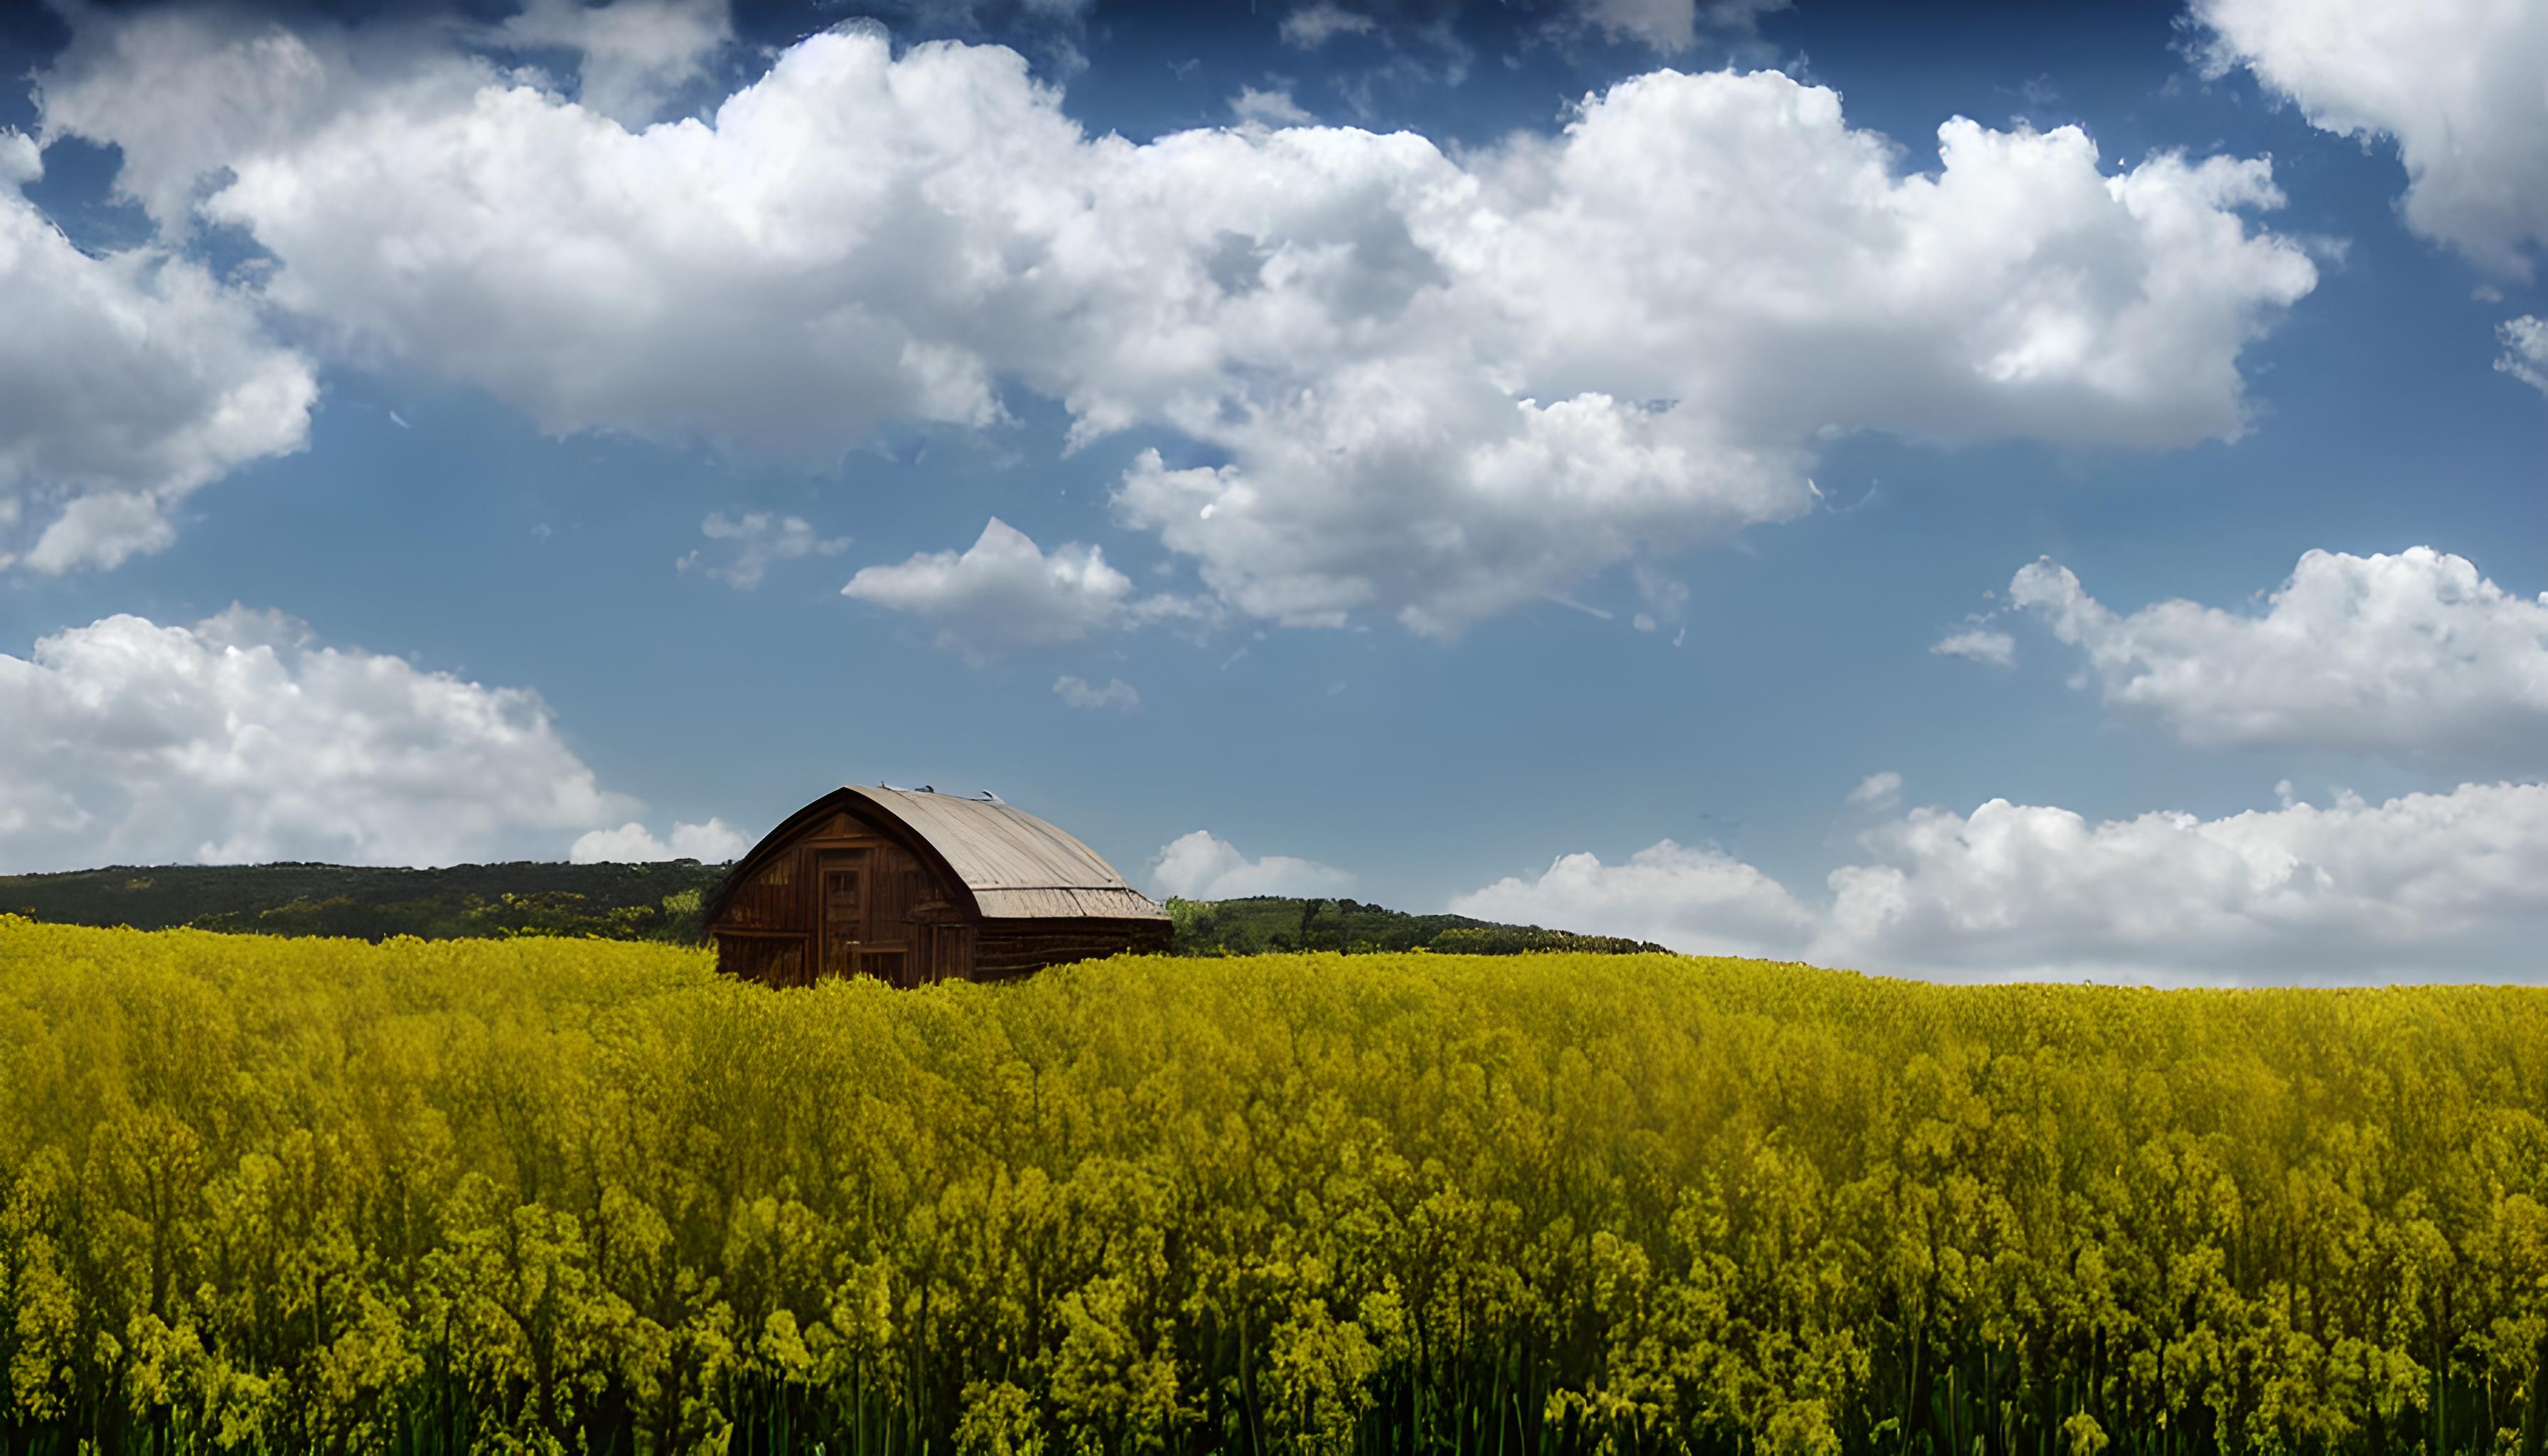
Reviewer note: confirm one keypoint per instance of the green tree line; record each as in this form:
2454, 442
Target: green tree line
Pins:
552, 1195
1261, 924
656, 901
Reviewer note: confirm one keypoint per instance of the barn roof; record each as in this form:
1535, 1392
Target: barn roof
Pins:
1017, 865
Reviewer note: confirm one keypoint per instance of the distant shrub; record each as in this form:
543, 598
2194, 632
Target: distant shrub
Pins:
1515, 940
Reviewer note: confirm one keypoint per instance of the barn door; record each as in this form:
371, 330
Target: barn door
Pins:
842, 893
865, 927
885, 953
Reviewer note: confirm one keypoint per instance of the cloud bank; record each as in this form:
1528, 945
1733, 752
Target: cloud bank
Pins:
240, 741
2450, 887
1386, 380
2415, 655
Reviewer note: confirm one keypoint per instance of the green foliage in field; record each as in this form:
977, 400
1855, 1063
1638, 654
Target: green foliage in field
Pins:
550, 1195
1280, 923
628, 902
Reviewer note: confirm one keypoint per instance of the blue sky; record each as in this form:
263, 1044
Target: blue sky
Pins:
1520, 458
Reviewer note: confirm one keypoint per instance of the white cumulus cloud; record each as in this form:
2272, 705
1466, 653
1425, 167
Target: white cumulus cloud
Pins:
239, 740
126, 381
749, 546
1978, 644
632, 54
2410, 655
2525, 350
1695, 899
1116, 695
1313, 25
1272, 106
1003, 592
1881, 790
2435, 886
1669, 27
2454, 83
1420, 386
1204, 866
2450, 887
712, 843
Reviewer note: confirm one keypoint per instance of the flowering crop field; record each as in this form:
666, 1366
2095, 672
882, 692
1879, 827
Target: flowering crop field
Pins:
315, 1194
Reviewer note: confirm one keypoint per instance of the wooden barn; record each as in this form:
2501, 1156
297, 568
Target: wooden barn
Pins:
915, 886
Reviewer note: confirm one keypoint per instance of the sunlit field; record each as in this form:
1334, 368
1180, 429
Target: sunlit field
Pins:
302, 1195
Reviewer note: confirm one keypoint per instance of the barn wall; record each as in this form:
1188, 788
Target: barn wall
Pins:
765, 932
771, 929
1008, 949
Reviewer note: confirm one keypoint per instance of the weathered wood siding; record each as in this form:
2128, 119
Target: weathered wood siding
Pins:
844, 898
1008, 948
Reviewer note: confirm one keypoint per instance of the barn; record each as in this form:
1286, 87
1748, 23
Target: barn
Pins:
913, 886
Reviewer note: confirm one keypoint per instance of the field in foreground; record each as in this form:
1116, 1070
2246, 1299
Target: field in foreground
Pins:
311, 1194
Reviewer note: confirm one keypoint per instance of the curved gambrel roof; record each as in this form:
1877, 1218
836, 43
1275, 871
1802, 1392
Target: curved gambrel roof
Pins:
1014, 866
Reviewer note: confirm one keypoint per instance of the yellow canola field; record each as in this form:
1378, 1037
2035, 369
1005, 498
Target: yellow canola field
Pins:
575, 1194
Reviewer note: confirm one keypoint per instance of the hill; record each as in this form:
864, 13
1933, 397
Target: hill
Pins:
622, 902
1261, 924
652, 902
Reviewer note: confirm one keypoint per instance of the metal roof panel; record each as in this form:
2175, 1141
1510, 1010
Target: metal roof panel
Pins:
1018, 865
1066, 904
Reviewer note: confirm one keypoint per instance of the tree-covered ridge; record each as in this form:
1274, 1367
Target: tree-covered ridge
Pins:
547, 1195
648, 901
1279, 923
